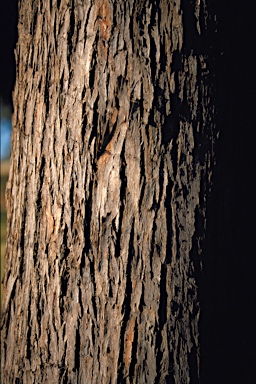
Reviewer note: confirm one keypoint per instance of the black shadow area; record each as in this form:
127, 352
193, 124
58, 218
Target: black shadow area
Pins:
228, 286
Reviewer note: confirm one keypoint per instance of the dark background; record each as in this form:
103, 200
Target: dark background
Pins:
8, 38
228, 289
227, 285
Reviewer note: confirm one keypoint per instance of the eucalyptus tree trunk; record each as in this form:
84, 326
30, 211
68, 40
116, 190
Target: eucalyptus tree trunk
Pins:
111, 156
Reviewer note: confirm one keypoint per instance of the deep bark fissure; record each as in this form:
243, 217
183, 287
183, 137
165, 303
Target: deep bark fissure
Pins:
126, 307
29, 345
94, 305
123, 188
93, 65
22, 242
134, 353
77, 349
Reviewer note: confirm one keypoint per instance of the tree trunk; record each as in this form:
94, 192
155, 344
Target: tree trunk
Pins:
111, 161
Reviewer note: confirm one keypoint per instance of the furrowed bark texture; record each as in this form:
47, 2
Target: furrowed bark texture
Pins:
111, 152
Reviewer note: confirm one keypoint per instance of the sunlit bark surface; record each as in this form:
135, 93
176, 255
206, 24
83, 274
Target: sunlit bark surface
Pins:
111, 158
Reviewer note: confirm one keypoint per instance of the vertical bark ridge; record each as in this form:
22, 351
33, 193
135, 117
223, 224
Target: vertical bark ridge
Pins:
110, 153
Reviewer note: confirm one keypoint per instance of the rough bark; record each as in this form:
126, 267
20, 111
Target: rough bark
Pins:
111, 158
